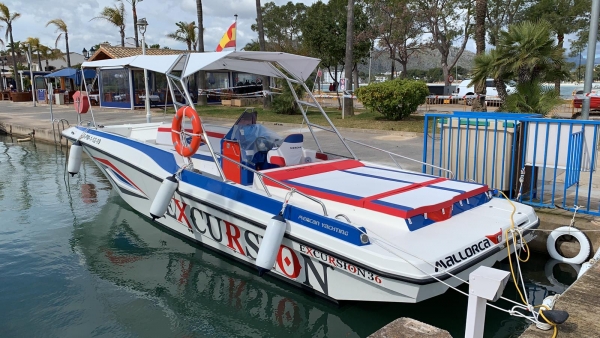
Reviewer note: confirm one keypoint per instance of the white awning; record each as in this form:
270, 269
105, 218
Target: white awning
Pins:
150, 62
122, 62
259, 63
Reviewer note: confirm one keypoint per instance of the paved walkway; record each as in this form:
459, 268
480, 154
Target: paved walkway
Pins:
27, 117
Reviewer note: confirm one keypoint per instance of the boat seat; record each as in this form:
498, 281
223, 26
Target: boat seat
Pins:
289, 153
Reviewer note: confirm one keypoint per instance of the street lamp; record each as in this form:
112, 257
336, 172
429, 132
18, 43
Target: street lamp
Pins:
142, 24
87, 54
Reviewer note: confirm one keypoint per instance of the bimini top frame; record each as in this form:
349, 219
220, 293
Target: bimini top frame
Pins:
294, 69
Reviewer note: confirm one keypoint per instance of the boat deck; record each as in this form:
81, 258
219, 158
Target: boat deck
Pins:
421, 199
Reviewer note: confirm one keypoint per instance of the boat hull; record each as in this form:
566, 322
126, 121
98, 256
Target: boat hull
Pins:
235, 229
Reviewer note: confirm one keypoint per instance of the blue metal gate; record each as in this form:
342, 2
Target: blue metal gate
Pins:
556, 158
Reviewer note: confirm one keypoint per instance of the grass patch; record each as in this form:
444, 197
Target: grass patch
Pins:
363, 120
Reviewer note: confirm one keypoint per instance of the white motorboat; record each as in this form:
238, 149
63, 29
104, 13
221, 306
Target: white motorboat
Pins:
331, 224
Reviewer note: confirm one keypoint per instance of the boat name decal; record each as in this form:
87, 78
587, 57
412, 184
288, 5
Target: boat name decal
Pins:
338, 263
90, 138
298, 266
462, 255
323, 225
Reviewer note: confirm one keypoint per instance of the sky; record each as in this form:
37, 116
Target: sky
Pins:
161, 16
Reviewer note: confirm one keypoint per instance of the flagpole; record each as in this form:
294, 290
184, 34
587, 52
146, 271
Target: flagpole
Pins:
235, 47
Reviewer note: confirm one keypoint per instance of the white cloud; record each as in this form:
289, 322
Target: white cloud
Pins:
161, 16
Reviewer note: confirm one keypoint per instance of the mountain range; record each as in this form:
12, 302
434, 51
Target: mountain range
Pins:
428, 59
422, 60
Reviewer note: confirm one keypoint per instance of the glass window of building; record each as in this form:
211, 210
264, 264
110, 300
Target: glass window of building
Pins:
138, 86
161, 86
245, 79
115, 86
215, 80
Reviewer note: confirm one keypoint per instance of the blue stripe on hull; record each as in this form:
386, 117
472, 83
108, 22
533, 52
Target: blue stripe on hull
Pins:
166, 160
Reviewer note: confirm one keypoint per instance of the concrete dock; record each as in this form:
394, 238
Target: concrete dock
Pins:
582, 302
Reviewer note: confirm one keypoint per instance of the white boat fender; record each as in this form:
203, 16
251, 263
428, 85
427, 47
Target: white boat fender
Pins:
163, 197
269, 246
584, 243
75, 155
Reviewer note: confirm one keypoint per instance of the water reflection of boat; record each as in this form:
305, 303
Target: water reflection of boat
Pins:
191, 283
198, 290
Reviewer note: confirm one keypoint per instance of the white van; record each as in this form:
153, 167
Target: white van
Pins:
463, 90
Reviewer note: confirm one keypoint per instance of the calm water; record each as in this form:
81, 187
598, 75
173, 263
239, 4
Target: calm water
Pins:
76, 261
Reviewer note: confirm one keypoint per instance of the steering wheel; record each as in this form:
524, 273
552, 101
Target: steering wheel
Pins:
262, 145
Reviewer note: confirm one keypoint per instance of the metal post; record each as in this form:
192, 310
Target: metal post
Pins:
484, 284
50, 94
475, 316
147, 101
31, 75
370, 59
579, 67
591, 56
343, 97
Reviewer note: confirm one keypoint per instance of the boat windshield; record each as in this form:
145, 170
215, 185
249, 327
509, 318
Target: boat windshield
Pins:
255, 138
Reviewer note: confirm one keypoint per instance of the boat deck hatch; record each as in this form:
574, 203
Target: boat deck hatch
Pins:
409, 195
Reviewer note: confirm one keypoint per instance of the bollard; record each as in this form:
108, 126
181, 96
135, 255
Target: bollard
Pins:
484, 284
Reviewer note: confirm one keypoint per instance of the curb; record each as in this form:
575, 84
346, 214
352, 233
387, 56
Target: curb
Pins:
291, 125
299, 125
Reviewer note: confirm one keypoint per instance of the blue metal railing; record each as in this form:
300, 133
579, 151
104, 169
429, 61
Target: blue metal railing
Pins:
558, 157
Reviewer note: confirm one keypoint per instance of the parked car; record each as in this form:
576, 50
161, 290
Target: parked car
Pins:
594, 100
463, 90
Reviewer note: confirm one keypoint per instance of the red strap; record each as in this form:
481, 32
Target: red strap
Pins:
404, 189
290, 173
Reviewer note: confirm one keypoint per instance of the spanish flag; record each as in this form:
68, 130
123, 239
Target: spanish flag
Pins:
228, 39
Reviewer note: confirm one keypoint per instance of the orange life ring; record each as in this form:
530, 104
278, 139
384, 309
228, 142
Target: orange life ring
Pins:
177, 126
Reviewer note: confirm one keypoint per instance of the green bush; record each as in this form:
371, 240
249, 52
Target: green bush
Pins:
532, 97
394, 99
285, 103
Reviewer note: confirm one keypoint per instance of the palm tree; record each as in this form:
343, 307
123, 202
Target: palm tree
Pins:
133, 4
261, 43
486, 65
200, 26
201, 74
61, 28
48, 54
526, 53
532, 97
186, 32
116, 16
348, 105
35, 48
480, 14
7, 17
16, 47
528, 50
